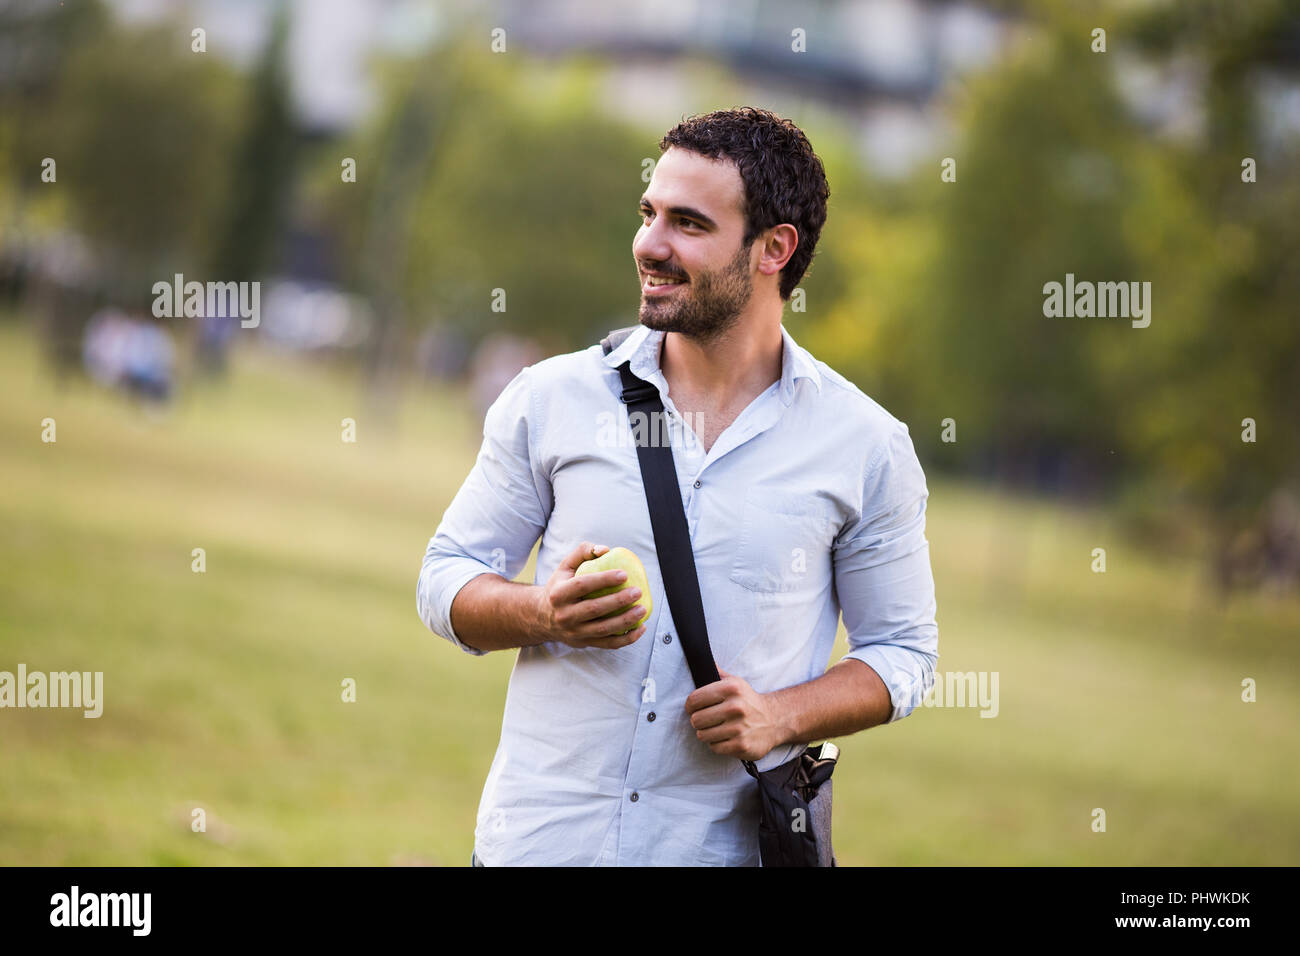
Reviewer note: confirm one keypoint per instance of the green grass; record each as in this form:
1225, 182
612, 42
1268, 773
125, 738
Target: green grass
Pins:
222, 690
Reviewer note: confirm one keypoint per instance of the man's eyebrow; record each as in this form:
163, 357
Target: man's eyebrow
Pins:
688, 211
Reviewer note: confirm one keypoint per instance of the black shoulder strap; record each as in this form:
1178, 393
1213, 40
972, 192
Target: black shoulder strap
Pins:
667, 518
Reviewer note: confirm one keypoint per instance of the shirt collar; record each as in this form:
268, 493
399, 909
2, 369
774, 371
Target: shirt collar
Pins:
641, 347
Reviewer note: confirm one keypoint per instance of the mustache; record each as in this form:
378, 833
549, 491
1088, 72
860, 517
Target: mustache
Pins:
662, 272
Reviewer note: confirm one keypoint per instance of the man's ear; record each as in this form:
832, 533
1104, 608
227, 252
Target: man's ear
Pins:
779, 245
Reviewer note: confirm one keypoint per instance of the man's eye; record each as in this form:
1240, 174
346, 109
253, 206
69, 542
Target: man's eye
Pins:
645, 214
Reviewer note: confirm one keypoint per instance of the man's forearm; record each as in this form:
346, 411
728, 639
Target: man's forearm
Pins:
847, 698
493, 614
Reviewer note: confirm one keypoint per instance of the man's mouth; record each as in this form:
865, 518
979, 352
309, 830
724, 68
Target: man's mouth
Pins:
659, 285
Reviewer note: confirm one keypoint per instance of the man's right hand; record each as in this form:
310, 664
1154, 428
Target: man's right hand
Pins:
569, 617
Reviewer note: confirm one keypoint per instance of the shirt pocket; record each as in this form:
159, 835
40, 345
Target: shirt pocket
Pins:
783, 541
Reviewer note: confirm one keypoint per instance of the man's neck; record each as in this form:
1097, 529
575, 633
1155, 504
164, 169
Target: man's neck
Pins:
730, 369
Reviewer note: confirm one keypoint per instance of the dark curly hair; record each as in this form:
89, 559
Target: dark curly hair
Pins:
784, 180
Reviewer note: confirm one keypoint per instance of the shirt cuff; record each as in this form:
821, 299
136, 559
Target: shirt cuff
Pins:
438, 605
907, 675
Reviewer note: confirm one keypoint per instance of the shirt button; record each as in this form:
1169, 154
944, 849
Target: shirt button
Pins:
650, 716
668, 638
697, 482
635, 796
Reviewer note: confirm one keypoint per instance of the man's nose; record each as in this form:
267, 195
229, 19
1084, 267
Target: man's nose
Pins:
651, 244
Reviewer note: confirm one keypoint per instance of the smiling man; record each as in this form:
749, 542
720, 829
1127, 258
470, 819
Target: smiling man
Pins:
804, 499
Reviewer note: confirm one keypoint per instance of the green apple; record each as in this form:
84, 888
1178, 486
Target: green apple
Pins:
620, 559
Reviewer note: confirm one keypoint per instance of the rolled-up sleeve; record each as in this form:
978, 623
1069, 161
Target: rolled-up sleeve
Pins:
495, 518
883, 576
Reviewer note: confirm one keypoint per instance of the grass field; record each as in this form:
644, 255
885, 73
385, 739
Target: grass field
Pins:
1119, 690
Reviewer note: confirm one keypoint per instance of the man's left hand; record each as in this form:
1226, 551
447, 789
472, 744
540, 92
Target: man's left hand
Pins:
734, 719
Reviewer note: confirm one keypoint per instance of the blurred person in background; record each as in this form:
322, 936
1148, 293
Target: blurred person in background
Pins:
128, 353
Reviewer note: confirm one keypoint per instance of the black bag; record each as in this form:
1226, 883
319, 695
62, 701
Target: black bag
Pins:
795, 828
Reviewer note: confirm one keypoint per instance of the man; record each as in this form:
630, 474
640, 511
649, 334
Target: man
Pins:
803, 498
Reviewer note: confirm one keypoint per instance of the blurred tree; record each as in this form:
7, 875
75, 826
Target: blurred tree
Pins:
37, 41
141, 130
1241, 358
1045, 176
261, 173
260, 183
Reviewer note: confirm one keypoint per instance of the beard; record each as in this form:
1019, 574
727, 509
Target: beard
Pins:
706, 307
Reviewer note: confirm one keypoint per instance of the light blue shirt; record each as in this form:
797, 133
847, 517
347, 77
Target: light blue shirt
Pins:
810, 503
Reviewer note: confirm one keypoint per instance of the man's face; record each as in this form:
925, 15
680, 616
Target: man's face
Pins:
691, 230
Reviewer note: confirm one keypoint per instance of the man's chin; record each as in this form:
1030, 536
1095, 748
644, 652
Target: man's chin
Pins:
657, 319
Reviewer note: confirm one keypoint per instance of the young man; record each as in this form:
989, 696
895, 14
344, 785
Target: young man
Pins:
804, 498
